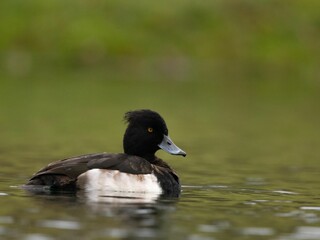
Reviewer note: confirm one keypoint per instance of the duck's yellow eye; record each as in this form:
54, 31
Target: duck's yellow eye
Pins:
150, 130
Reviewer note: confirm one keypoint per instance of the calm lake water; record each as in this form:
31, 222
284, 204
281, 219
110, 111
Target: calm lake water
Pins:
252, 169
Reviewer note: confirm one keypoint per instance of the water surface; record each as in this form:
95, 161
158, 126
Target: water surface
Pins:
252, 168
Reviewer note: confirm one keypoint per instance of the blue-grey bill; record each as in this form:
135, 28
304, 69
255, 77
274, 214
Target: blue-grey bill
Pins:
168, 146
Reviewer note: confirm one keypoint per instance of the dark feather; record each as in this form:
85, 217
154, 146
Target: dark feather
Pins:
71, 167
124, 163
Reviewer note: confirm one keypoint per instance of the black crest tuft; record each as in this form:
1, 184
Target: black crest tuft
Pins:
145, 117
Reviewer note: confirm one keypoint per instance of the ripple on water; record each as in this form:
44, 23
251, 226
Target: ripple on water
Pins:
310, 208
3, 230
37, 236
285, 192
303, 233
6, 219
257, 231
115, 233
199, 237
203, 186
216, 227
60, 224
305, 216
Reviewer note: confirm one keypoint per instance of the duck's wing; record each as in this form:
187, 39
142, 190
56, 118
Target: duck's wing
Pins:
122, 162
64, 173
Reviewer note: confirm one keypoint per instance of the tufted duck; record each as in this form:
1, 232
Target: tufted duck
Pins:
135, 170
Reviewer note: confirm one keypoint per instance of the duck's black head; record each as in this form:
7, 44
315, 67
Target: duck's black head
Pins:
146, 133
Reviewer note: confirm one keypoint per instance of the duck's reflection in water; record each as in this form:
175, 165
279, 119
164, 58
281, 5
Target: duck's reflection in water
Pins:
122, 215
118, 197
144, 214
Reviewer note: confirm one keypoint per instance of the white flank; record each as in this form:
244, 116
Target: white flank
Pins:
113, 180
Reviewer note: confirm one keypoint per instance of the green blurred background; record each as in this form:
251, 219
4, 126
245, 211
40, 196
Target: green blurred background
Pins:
234, 79
167, 40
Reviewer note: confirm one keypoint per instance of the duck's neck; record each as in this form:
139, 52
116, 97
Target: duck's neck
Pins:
133, 146
149, 157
